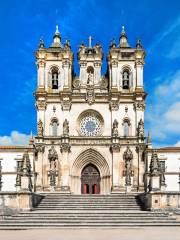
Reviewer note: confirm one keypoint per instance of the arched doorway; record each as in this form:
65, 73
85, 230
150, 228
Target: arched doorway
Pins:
90, 180
85, 158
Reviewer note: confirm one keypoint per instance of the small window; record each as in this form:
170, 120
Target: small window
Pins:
54, 126
55, 78
126, 129
125, 77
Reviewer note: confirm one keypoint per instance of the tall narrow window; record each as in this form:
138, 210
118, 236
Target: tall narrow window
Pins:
54, 78
126, 129
126, 79
54, 125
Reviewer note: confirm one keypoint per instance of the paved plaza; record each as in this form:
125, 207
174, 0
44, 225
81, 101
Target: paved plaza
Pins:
164, 233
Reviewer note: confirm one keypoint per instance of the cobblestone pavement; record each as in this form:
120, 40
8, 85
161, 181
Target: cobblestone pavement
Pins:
93, 234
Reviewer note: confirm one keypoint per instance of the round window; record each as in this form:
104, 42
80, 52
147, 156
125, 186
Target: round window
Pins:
90, 124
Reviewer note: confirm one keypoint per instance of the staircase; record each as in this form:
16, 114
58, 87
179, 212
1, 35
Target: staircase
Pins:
88, 211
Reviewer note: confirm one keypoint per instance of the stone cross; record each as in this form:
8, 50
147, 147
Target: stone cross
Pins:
90, 41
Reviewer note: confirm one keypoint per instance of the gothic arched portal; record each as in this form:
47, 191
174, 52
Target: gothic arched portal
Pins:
90, 180
90, 158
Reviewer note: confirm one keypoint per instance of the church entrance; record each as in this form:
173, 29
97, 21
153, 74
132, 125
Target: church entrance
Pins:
90, 180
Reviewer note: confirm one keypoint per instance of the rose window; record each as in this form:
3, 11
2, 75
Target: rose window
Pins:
90, 124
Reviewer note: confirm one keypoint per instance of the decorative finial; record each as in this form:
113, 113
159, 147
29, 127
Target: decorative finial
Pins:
90, 41
138, 44
123, 38
57, 38
57, 29
113, 43
31, 139
149, 138
41, 43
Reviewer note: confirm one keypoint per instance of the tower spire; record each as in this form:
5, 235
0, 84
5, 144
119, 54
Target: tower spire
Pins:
57, 38
123, 38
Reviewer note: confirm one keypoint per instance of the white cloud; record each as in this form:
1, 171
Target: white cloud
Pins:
15, 138
164, 117
170, 37
177, 144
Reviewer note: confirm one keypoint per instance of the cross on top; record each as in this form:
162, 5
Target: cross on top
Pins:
90, 41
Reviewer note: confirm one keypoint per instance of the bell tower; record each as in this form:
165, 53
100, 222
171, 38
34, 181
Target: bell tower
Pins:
53, 103
127, 105
90, 63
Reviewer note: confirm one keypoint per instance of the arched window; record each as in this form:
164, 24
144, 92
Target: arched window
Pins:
54, 127
54, 77
125, 77
126, 127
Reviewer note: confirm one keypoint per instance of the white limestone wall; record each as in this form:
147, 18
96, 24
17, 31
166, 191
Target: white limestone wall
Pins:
72, 117
172, 163
9, 167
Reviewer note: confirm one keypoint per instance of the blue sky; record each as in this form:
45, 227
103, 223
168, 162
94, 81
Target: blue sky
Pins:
22, 23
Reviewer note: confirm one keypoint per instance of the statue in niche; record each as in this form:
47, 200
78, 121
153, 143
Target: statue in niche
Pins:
115, 128
40, 128
52, 156
128, 173
90, 78
66, 127
141, 129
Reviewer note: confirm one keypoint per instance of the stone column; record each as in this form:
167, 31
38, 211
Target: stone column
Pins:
115, 149
65, 149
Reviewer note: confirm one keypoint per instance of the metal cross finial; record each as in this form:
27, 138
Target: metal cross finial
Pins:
90, 41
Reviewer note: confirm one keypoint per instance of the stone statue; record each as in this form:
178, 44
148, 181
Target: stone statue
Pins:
66, 127
40, 128
154, 164
90, 78
52, 156
115, 128
128, 173
141, 129
128, 156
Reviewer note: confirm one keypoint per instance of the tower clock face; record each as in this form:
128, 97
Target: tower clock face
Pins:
90, 125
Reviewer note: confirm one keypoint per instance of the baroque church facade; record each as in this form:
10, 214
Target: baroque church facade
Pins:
90, 128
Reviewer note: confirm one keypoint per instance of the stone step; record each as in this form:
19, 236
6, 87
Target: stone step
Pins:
88, 208
82, 221
93, 224
85, 218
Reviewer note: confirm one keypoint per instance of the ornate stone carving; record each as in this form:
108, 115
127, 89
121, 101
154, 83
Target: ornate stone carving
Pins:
66, 103
114, 105
18, 176
104, 83
66, 128
128, 172
90, 95
65, 147
154, 164
115, 128
40, 148
140, 129
52, 174
90, 80
40, 129
52, 156
76, 83
115, 147
41, 104
128, 156
140, 105
26, 183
